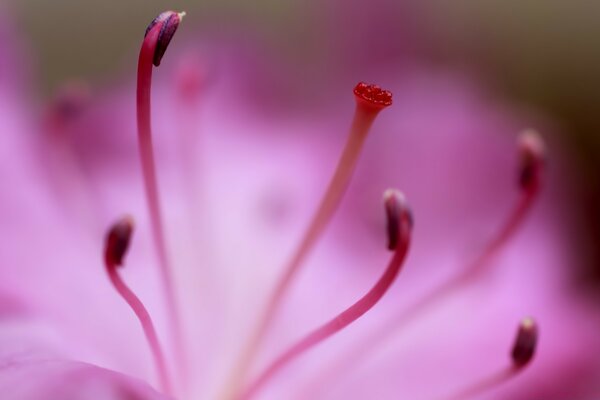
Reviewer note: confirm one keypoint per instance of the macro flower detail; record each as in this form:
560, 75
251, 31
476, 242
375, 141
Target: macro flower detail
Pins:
254, 257
373, 94
162, 29
525, 343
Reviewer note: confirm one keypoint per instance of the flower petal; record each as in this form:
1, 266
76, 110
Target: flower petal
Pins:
22, 378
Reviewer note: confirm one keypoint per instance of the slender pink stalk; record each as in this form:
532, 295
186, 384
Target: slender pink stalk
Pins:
158, 36
117, 244
531, 151
400, 221
478, 388
370, 100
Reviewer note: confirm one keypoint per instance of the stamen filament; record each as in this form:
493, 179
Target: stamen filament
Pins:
116, 247
401, 238
153, 46
370, 100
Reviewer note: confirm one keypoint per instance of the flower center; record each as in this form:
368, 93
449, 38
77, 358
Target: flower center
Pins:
370, 100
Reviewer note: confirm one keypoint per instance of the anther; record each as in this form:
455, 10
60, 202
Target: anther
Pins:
532, 155
395, 210
117, 241
525, 344
168, 23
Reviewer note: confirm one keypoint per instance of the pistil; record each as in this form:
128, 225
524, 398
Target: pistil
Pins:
370, 100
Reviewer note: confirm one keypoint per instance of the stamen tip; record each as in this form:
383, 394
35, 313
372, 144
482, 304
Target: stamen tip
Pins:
398, 215
372, 96
532, 153
525, 343
117, 241
169, 22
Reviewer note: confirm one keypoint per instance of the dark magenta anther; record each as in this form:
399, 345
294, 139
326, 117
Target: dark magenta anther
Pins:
117, 241
532, 155
164, 26
397, 213
525, 343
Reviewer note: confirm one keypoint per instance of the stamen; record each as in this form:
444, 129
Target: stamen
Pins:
157, 38
370, 100
531, 154
525, 342
522, 353
398, 216
117, 244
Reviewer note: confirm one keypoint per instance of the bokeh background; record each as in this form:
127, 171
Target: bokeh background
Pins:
540, 53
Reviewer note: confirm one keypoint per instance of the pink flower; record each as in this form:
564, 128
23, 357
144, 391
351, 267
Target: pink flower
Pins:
239, 177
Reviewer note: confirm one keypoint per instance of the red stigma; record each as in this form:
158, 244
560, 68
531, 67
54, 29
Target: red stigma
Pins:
373, 95
168, 22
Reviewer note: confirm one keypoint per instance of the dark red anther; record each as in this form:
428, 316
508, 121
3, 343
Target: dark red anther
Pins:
169, 22
117, 241
398, 216
525, 343
532, 153
373, 95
